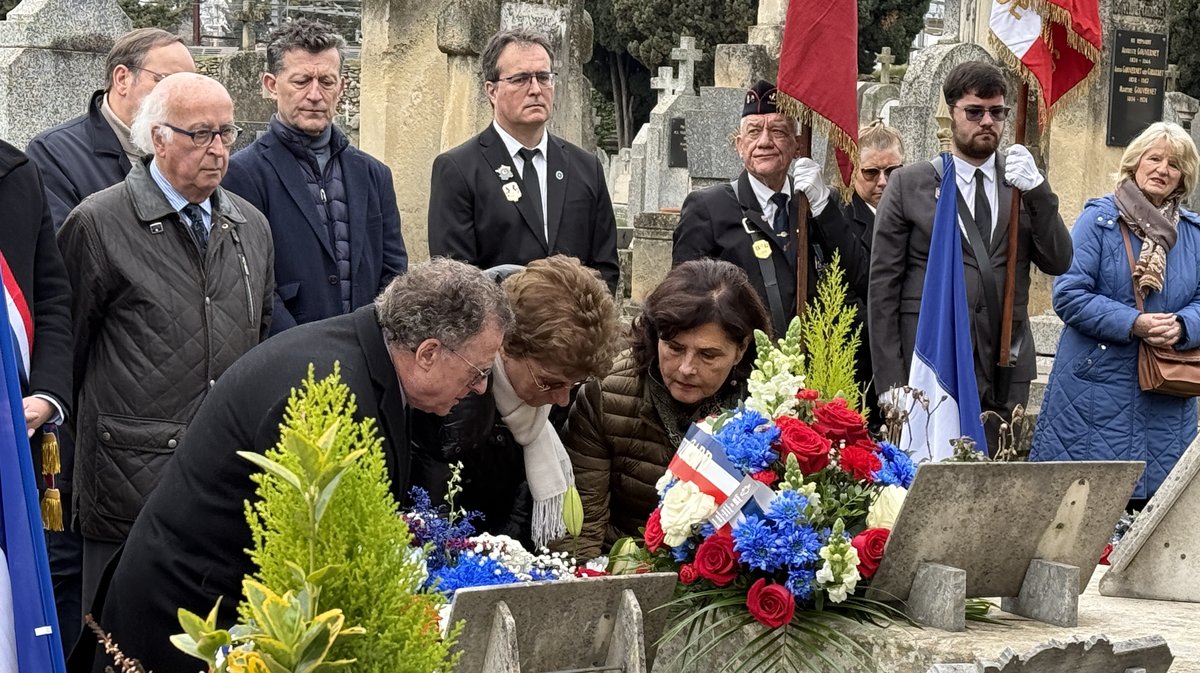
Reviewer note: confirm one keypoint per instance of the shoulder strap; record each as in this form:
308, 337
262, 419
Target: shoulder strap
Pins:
1137, 296
983, 260
766, 267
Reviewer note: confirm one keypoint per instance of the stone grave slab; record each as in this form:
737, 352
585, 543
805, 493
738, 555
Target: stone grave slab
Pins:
1159, 557
541, 627
710, 124
1096, 654
992, 519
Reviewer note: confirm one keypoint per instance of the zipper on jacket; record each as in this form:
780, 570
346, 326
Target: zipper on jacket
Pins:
245, 276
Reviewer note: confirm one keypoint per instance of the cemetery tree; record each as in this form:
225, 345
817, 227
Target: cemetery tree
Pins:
615, 73
891, 23
655, 26
1184, 16
165, 14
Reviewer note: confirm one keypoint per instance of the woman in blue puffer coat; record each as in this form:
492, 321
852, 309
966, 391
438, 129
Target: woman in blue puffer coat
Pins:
1094, 408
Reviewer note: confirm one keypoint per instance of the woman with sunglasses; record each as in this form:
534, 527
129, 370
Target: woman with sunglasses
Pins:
692, 348
515, 469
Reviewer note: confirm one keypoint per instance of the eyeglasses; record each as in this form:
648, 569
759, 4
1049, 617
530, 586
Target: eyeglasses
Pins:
204, 137
524, 78
974, 113
478, 376
553, 386
158, 76
872, 174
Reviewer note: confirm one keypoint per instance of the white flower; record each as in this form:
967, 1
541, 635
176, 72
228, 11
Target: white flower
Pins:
886, 507
684, 507
663, 482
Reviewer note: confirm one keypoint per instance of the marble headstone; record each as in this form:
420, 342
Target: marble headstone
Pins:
1159, 557
992, 519
554, 626
1091, 655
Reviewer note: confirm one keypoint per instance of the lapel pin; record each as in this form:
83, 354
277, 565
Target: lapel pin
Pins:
505, 172
156, 227
512, 191
558, 175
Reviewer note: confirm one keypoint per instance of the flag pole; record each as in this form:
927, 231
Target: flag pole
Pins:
802, 229
1014, 221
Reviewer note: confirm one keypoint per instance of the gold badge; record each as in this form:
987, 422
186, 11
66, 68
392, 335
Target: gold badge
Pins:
512, 191
762, 249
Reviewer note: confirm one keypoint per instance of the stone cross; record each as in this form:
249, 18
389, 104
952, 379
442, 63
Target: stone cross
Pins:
686, 55
1172, 77
665, 83
886, 60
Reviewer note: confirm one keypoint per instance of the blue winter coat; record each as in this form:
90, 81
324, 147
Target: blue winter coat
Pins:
1094, 409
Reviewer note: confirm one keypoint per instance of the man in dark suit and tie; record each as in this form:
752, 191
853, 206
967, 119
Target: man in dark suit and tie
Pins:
332, 207
752, 221
904, 227
429, 340
516, 193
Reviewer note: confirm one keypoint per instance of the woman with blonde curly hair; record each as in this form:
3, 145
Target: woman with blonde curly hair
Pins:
1140, 239
515, 469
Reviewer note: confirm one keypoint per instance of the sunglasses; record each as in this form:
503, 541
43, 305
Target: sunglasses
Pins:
872, 174
975, 113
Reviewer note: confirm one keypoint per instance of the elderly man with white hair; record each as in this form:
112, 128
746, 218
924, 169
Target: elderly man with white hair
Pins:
173, 282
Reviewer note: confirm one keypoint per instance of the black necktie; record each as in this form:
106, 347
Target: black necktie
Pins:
780, 223
983, 211
529, 176
195, 218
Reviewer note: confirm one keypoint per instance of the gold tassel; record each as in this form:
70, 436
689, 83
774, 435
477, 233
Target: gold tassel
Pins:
51, 464
52, 518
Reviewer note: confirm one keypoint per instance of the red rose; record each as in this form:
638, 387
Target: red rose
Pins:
717, 561
688, 573
654, 532
771, 604
838, 422
870, 544
808, 395
765, 477
800, 440
588, 572
860, 461
1104, 555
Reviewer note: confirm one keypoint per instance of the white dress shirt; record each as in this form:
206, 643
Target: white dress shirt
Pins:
965, 175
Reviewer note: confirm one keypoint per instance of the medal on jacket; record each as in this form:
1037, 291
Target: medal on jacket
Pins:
512, 191
762, 249
505, 172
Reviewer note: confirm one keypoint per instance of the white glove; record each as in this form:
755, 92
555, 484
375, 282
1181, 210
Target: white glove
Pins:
1020, 171
806, 177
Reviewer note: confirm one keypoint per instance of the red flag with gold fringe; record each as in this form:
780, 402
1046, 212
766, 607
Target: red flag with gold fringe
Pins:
818, 73
1053, 44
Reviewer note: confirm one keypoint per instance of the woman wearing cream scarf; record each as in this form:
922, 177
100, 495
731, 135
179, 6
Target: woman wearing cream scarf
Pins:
515, 469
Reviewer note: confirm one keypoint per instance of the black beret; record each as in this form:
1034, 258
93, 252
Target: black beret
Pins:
760, 99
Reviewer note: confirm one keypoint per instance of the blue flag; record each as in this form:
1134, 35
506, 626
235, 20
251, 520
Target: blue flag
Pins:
29, 638
943, 363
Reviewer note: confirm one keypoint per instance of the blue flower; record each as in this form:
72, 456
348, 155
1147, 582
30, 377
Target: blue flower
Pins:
897, 470
747, 442
707, 530
754, 540
796, 545
683, 551
800, 583
787, 506
472, 570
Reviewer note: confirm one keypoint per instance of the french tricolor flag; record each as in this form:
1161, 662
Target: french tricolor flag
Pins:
29, 639
701, 460
943, 363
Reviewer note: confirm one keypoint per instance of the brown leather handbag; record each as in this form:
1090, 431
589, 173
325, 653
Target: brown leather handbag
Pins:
1162, 369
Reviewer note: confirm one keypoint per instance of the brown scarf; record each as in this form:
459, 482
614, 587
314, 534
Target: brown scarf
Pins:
1157, 227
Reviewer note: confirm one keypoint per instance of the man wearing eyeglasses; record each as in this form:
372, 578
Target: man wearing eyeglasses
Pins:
332, 207
985, 177
516, 193
94, 151
173, 282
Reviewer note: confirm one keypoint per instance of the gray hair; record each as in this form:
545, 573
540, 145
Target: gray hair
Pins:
313, 37
880, 137
440, 299
1181, 145
490, 57
153, 110
131, 48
